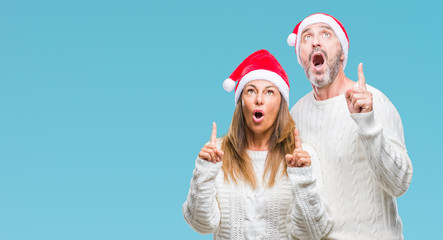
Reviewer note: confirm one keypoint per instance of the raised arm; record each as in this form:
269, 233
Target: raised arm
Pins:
381, 133
201, 210
308, 218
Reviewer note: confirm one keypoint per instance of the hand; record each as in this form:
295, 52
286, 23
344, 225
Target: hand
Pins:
209, 152
299, 158
358, 98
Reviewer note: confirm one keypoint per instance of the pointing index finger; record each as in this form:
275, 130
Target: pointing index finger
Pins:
297, 139
214, 133
361, 77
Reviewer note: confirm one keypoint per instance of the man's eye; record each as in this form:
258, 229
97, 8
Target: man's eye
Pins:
326, 34
307, 37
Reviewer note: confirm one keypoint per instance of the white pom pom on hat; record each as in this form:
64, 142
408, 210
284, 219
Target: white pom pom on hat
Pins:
291, 39
228, 85
336, 25
260, 65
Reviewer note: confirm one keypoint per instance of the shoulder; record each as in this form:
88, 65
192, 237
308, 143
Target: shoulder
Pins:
385, 112
302, 101
382, 104
377, 94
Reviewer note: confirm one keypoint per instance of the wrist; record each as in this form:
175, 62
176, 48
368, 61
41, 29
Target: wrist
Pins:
366, 123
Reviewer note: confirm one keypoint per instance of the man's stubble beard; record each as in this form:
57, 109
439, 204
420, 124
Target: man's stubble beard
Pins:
329, 76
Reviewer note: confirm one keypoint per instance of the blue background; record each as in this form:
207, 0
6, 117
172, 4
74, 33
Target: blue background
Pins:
104, 105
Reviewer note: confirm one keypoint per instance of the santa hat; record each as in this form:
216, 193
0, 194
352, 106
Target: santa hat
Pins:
260, 65
339, 30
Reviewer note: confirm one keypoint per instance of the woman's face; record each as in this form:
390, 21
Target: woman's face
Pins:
260, 103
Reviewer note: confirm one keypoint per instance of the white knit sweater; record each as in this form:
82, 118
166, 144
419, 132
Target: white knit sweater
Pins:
364, 163
291, 209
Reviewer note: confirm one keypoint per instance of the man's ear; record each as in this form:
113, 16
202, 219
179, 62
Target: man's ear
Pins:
342, 57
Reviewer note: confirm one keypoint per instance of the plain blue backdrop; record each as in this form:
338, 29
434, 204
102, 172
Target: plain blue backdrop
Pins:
104, 105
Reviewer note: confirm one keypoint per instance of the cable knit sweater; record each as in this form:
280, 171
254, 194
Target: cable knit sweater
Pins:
291, 209
364, 163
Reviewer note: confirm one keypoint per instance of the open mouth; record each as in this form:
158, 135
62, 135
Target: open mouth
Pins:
318, 60
258, 116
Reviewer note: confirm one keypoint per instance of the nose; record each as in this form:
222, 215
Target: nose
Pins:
316, 41
259, 99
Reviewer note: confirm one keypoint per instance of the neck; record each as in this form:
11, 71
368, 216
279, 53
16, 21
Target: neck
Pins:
258, 141
339, 86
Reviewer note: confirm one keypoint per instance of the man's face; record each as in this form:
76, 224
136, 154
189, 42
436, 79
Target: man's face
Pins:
321, 54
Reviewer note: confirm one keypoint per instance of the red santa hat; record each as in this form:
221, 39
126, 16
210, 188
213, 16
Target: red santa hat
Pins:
260, 65
339, 30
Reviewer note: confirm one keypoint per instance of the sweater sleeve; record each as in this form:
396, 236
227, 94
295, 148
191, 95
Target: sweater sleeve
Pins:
381, 133
201, 210
308, 216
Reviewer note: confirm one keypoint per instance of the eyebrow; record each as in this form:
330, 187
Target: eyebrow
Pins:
328, 27
322, 26
252, 85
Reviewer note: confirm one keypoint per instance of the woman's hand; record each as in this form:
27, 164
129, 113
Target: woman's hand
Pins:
209, 152
299, 158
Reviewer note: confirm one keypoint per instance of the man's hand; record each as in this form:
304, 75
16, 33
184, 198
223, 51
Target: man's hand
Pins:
299, 158
209, 152
358, 98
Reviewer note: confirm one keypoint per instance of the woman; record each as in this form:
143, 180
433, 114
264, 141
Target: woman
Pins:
246, 186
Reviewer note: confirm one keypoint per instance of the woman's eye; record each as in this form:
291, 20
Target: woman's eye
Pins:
250, 91
270, 92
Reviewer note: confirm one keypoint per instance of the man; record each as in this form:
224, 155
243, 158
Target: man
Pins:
357, 133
